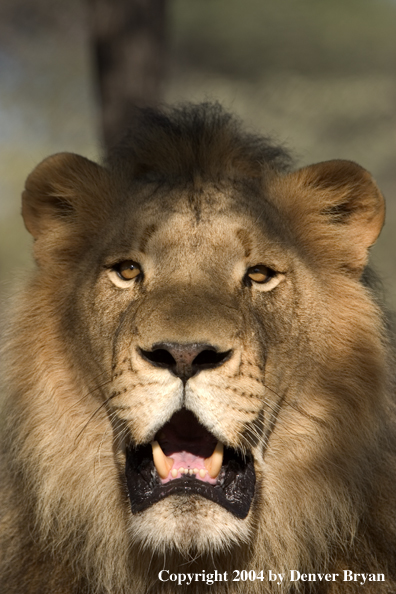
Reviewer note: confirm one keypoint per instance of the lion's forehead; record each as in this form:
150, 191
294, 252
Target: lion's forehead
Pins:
183, 230
218, 231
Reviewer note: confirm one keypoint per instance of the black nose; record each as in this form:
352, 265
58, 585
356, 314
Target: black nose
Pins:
185, 360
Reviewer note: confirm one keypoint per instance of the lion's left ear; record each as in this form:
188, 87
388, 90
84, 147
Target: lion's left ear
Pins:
67, 200
343, 208
61, 189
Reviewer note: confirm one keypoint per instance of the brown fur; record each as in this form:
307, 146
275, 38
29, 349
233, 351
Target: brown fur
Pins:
308, 389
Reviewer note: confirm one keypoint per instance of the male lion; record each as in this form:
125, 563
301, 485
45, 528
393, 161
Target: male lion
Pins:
198, 390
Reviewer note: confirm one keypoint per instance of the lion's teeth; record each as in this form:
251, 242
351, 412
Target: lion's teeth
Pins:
161, 462
164, 465
213, 464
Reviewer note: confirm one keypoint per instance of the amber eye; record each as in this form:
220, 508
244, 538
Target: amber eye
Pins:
259, 274
128, 270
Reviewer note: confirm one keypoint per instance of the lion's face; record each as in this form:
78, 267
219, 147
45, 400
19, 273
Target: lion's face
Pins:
202, 321
193, 367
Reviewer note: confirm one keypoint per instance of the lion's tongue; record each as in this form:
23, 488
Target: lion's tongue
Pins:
184, 447
182, 463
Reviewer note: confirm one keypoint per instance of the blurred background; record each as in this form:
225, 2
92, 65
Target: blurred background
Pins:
318, 76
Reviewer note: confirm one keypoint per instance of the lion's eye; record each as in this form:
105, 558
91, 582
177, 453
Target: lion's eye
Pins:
262, 278
260, 273
127, 270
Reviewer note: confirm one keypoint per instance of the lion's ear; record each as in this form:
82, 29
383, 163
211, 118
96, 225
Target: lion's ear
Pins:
343, 210
61, 189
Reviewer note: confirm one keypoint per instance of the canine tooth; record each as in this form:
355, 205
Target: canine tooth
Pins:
213, 464
161, 462
202, 472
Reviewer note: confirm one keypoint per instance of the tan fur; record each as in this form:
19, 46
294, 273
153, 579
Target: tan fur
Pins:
307, 390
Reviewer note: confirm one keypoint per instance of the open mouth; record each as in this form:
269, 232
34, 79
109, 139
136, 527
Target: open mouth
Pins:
185, 459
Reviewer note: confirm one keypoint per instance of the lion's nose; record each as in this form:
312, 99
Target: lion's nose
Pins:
185, 360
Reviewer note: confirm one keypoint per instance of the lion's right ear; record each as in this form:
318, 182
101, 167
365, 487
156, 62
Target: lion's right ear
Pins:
61, 190
337, 211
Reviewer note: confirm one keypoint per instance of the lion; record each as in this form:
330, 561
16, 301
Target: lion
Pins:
198, 381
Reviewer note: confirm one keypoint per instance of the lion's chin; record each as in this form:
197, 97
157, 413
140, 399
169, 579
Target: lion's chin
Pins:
189, 525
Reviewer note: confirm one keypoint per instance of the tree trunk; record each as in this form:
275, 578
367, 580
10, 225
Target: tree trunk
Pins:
130, 53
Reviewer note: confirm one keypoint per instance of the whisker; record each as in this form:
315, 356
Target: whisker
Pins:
98, 387
121, 436
99, 450
103, 404
295, 407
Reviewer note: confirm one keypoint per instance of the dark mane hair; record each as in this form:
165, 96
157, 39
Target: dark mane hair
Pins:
193, 140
